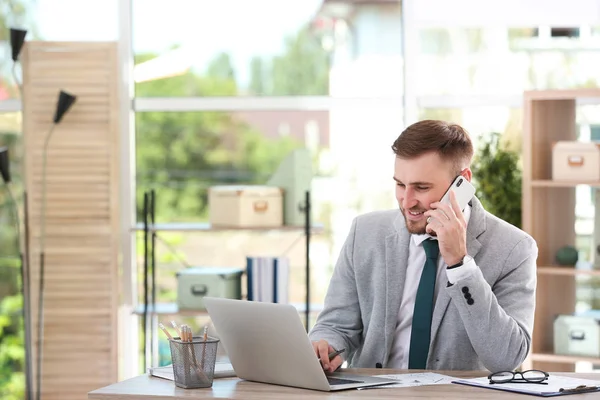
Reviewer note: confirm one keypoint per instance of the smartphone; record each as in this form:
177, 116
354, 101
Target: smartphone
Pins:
463, 190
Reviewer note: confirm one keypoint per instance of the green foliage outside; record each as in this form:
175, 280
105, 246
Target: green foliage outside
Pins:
181, 154
497, 176
12, 381
303, 69
12, 354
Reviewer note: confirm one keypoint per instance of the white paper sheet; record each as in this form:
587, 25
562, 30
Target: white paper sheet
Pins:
417, 379
553, 386
222, 370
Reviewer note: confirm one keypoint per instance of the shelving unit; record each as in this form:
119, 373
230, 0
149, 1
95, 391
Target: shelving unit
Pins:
149, 309
549, 214
565, 271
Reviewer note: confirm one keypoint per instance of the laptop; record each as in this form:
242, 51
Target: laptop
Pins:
266, 342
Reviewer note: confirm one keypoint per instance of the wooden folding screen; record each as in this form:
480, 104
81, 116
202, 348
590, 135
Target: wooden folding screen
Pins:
81, 285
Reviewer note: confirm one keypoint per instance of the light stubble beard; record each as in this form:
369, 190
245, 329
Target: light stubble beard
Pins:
414, 227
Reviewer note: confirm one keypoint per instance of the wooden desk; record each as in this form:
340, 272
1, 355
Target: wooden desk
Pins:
145, 387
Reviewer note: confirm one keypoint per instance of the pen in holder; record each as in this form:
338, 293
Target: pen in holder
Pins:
193, 360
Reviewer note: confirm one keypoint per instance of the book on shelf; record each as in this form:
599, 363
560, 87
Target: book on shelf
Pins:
268, 279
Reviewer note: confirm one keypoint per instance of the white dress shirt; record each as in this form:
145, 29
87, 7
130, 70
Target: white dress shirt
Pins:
416, 260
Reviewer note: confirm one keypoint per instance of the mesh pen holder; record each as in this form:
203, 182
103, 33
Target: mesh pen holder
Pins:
194, 362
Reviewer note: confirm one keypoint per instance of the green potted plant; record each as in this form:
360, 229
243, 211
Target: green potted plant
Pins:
497, 177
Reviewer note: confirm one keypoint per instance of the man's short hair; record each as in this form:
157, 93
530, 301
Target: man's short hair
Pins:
450, 141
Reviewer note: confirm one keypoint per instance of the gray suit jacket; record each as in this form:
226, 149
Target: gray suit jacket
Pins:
364, 295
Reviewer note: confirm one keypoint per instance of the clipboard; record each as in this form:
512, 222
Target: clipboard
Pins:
557, 386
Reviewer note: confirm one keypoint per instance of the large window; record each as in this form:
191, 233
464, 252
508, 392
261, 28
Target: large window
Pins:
502, 60
74, 20
230, 48
267, 48
52, 20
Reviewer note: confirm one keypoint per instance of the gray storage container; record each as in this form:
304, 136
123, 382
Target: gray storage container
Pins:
577, 335
195, 283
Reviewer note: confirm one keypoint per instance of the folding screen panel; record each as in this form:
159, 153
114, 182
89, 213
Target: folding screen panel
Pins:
81, 285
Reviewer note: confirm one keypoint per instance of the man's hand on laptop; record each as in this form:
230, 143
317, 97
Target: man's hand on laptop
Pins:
322, 350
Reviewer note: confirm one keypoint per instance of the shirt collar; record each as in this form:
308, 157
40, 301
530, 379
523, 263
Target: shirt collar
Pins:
418, 239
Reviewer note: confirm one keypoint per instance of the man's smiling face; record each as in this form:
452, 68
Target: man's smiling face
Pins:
420, 181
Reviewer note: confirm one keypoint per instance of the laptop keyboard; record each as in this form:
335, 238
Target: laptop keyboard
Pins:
338, 381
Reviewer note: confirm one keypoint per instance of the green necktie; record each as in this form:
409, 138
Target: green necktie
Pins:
421, 323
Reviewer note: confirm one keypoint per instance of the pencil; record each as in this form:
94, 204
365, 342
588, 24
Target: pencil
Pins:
199, 369
205, 337
184, 339
161, 326
177, 330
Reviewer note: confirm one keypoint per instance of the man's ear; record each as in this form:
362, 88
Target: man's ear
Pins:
467, 173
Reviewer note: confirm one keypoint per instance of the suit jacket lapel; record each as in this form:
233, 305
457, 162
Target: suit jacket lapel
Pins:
396, 262
475, 228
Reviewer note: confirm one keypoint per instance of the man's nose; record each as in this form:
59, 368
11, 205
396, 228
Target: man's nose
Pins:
409, 200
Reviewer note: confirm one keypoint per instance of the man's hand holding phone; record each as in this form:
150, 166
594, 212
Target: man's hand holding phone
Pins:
448, 224
323, 350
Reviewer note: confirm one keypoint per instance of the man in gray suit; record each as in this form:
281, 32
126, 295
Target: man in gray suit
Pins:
429, 286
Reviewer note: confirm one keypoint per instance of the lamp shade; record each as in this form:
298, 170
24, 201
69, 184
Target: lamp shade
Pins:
65, 101
17, 38
4, 166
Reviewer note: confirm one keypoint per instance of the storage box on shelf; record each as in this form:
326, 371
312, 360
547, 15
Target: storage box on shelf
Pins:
193, 284
573, 161
549, 214
243, 206
577, 335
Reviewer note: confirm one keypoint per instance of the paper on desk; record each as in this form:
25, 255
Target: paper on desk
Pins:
554, 384
417, 379
222, 370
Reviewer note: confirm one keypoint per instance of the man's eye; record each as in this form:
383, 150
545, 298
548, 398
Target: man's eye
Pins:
400, 184
422, 188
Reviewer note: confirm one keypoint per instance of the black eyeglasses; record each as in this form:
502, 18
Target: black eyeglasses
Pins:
530, 376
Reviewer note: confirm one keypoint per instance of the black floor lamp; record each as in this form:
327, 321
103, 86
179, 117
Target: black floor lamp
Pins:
65, 101
17, 39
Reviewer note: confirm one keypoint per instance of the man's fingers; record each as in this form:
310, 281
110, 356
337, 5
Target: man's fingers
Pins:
335, 363
322, 350
323, 353
456, 208
316, 347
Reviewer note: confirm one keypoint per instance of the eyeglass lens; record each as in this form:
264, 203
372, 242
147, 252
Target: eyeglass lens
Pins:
534, 376
507, 376
501, 377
